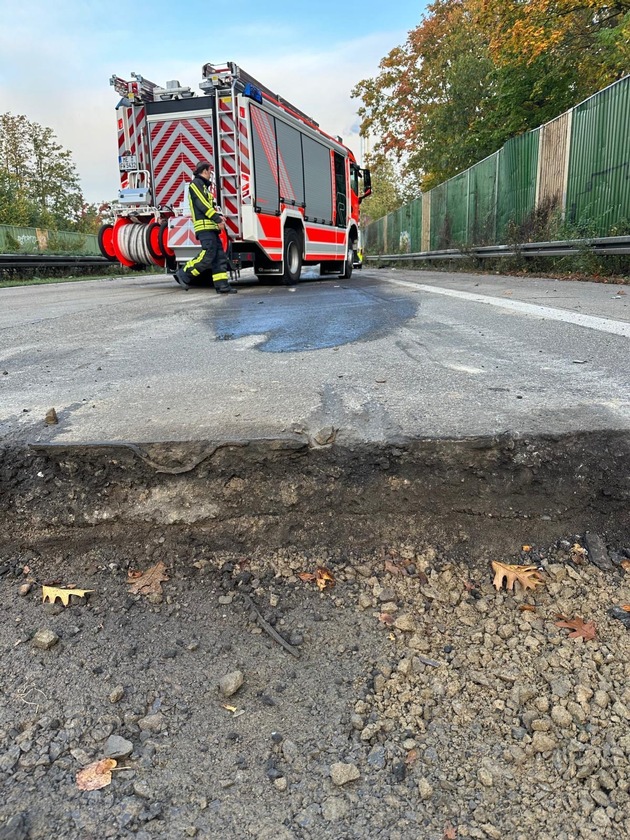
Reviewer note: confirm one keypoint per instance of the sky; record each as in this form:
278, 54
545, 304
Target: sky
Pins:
57, 56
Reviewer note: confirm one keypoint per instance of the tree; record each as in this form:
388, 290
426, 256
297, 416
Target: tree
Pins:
387, 191
39, 185
425, 104
475, 72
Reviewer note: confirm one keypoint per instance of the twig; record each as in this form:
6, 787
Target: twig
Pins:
22, 695
269, 630
426, 661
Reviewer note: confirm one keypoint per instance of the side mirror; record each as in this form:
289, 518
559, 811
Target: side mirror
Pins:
367, 184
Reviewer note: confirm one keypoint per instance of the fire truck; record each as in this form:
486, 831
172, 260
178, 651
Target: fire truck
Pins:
289, 192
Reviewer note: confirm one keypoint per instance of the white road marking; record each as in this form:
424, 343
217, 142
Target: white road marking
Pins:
591, 322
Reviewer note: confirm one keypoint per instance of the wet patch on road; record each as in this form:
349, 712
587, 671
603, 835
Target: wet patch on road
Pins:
289, 325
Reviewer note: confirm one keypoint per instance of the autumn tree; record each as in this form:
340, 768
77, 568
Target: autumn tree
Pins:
387, 190
425, 104
475, 72
39, 184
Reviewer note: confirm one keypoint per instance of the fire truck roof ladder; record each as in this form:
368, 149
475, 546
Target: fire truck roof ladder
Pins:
233, 75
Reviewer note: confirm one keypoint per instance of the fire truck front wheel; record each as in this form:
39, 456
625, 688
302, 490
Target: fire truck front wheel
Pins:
292, 257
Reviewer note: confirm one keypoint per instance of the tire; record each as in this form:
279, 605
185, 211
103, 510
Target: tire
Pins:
346, 274
291, 257
105, 242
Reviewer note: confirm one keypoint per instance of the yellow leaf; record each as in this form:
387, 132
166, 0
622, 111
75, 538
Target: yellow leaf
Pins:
230, 708
96, 775
51, 593
528, 576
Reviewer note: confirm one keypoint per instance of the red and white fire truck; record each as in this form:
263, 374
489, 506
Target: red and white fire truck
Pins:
289, 192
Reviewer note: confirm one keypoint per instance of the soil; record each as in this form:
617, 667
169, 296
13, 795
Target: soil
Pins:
411, 699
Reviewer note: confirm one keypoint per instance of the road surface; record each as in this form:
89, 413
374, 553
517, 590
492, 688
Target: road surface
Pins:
390, 354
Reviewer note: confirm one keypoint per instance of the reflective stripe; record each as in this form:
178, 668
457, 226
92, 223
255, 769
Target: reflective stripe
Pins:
216, 278
190, 265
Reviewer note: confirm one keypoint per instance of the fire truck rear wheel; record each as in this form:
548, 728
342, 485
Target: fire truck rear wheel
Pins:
292, 257
346, 274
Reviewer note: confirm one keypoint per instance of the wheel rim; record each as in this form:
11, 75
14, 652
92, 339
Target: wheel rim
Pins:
293, 258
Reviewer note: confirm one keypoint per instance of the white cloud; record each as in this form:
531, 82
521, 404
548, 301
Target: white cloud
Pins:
65, 84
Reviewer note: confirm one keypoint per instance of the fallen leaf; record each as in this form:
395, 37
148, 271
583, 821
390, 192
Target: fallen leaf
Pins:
150, 582
323, 577
26, 570
411, 757
132, 575
579, 628
230, 708
394, 569
386, 618
625, 565
96, 775
450, 832
51, 593
625, 607
528, 576
527, 548
527, 608
578, 554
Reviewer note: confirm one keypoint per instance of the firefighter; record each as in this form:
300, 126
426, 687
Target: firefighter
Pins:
207, 222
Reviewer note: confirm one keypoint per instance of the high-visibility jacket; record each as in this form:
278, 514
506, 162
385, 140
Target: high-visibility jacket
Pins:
204, 213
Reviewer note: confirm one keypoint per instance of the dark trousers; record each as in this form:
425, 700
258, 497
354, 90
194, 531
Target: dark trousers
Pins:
211, 258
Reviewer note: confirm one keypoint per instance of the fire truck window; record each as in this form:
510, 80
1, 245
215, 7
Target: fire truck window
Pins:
340, 190
354, 179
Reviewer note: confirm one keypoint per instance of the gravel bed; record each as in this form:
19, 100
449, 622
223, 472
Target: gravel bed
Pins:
421, 701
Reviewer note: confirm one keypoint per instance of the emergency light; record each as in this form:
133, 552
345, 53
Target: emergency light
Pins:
252, 92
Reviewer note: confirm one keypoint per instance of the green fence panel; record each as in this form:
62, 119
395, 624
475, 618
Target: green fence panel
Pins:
456, 210
24, 240
439, 224
482, 202
518, 168
598, 188
415, 225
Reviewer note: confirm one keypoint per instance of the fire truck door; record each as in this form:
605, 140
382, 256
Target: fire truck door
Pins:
341, 199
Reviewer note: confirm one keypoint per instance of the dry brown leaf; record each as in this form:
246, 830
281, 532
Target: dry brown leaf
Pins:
393, 568
578, 554
411, 758
625, 565
386, 618
527, 548
626, 607
527, 608
323, 577
149, 582
51, 593
96, 775
528, 576
578, 627
450, 832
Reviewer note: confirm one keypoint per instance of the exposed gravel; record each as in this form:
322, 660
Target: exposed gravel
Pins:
424, 703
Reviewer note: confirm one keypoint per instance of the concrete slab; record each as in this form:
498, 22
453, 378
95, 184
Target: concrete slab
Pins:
387, 355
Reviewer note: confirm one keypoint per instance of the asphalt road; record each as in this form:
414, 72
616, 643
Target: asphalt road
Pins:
389, 354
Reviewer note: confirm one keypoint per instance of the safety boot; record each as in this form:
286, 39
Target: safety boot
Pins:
222, 287
180, 276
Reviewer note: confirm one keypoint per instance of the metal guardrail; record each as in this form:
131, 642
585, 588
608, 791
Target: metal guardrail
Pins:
13, 261
567, 248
